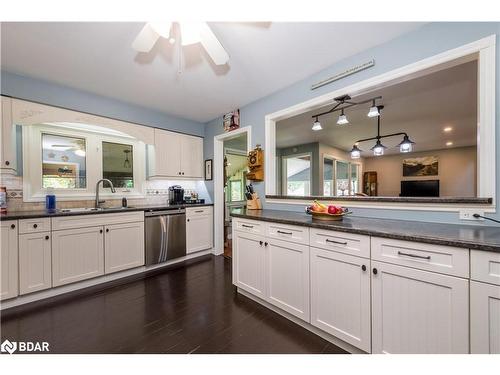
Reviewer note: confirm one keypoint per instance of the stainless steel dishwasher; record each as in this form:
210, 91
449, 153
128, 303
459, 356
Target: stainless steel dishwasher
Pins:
165, 235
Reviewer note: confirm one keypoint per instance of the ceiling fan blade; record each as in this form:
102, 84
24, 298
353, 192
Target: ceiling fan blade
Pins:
146, 39
212, 45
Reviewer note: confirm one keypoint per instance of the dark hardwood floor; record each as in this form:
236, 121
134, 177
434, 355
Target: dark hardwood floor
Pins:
191, 309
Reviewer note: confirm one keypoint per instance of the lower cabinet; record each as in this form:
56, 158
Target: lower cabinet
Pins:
249, 263
9, 259
199, 229
484, 318
416, 311
123, 246
77, 254
287, 276
35, 262
340, 296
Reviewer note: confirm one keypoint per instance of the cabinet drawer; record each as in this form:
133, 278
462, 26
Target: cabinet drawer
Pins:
436, 258
290, 233
348, 243
195, 211
249, 226
485, 266
34, 225
95, 220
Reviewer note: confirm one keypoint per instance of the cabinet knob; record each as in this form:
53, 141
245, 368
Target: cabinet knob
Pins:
107, 230
265, 243
47, 237
13, 226
375, 271
100, 231
363, 267
188, 220
183, 173
35, 226
179, 173
261, 243
7, 162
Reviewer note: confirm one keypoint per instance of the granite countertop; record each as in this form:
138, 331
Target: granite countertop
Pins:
434, 200
479, 237
15, 215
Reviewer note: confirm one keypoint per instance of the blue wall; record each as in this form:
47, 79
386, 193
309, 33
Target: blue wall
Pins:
426, 41
53, 94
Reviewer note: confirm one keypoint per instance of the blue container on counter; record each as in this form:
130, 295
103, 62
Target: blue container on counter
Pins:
50, 201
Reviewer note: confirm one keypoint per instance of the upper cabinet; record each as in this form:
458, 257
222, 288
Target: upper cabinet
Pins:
176, 155
7, 138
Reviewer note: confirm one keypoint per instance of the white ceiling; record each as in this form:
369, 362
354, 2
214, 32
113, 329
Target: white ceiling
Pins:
264, 57
421, 107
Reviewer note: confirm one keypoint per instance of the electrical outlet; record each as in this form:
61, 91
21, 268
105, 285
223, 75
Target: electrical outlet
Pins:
468, 214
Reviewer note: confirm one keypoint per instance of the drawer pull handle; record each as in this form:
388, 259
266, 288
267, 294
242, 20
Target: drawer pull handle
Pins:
35, 226
199, 211
363, 267
337, 242
246, 226
414, 255
281, 232
47, 237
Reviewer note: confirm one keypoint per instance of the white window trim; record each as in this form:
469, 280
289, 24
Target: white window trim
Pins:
284, 178
486, 171
32, 165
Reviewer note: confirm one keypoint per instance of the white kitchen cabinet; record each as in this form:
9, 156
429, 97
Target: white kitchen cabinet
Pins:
9, 259
287, 274
7, 138
199, 229
249, 263
176, 155
77, 254
415, 311
340, 296
484, 318
123, 246
35, 262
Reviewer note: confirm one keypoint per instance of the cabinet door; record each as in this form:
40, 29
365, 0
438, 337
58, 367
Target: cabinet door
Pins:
7, 137
191, 156
484, 318
9, 260
340, 296
35, 262
199, 233
416, 311
249, 263
77, 254
167, 153
287, 266
123, 246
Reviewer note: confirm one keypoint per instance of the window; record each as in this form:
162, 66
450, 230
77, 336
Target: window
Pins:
63, 162
328, 176
236, 188
342, 177
297, 174
117, 164
354, 179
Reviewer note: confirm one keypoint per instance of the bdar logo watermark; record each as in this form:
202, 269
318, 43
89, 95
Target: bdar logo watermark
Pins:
23, 346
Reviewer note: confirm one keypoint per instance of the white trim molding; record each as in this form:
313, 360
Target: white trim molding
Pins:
482, 50
218, 170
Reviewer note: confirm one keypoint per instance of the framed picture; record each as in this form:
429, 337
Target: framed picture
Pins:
231, 120
425, 166
208, 170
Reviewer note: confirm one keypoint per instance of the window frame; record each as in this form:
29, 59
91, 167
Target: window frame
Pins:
32, 164
284, 178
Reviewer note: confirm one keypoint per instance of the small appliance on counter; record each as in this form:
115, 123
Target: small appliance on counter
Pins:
175, 194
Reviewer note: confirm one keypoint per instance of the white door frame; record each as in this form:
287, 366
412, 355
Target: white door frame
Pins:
219, 182
483, 50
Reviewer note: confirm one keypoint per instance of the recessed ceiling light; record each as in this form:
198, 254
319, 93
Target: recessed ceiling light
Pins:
449, 143
448, 129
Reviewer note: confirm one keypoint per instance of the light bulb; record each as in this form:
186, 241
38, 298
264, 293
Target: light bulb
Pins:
405, 147
342, 120
378, 149
355, 152
316, 126
373, 112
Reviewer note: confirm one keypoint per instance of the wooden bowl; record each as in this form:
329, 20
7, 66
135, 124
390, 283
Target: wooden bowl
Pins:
325, 216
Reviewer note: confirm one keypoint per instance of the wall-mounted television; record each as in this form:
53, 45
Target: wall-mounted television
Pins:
420, 188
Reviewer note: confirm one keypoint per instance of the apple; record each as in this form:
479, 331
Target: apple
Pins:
333, 210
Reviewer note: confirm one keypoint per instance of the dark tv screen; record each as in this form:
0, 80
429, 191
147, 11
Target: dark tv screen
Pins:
422, 188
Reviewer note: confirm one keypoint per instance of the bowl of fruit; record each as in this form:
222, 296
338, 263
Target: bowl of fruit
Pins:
320, 211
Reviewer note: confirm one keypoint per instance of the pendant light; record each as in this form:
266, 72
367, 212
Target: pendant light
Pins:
378, 149
317, 125
373, 112
355, 152
342, 120
406, 145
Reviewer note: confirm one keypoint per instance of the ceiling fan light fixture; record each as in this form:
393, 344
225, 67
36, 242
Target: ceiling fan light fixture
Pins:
342, 120
317, 125
378, 149
406, 145
355, 152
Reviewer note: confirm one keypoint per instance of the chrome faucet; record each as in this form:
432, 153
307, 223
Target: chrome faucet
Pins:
97, 200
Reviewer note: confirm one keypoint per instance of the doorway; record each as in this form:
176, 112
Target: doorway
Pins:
230, 150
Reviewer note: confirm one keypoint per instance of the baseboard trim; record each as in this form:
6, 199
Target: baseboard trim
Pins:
71, 291
334, 340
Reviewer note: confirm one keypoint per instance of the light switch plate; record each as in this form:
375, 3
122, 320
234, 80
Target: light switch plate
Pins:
467, 214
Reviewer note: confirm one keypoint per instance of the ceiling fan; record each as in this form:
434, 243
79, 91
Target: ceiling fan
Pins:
188, 33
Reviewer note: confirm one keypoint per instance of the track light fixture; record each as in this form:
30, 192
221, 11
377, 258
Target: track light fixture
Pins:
373, 112
342, 120
378, 149
317, 125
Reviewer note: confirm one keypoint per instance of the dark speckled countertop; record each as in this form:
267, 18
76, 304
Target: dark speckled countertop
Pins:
15, 215
479, 237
